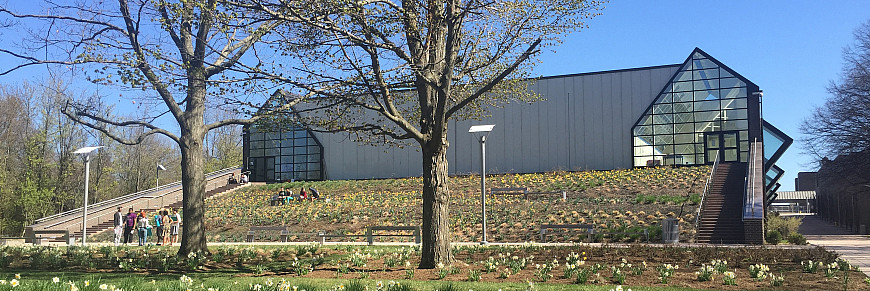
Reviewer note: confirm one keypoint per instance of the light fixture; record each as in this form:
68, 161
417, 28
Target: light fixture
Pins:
483, 130
86, 154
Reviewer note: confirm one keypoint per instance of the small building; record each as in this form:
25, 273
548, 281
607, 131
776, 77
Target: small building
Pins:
795, 202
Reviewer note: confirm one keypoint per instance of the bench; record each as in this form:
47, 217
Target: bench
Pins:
323, 236
590, 229
370, 232
38, 235
283, 229
510, 191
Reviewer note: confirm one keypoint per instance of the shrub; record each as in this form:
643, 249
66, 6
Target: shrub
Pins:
784, 225
773, 237
796, 238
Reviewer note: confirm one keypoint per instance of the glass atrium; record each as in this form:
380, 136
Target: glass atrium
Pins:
704, 111
277, 153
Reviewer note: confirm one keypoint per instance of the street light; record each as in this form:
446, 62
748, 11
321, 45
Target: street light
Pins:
159, 168
86, 154
484, 130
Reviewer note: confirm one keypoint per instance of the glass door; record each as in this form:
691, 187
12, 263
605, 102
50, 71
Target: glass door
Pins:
723, 143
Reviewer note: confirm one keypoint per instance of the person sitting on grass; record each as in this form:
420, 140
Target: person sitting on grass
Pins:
302, 194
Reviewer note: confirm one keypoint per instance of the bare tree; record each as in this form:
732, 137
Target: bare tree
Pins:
189, 54
398, 71
842, 124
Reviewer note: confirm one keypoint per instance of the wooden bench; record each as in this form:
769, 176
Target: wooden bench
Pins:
38, 235
283, 229
510, 191
590, 229
370, 232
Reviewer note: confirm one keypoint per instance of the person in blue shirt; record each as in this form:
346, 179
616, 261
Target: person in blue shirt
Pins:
158, 226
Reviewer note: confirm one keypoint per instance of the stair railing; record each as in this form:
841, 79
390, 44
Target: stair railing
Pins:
706, 190
751, 187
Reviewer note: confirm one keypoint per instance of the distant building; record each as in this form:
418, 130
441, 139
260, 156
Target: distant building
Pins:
805, 181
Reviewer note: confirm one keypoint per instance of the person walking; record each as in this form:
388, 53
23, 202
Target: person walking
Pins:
118, 222
176, 222
129, 224
166, 222
158, 227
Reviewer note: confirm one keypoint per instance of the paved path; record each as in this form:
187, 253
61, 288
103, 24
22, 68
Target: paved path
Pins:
852, 247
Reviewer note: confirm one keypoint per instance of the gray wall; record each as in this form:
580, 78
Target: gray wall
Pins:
583, 123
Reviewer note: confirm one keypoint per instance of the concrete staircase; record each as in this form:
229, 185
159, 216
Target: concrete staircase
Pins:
108, 224
63, 226
722, 214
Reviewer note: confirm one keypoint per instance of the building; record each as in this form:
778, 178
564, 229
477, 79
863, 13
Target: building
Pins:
679, 114
795, 202
805, 181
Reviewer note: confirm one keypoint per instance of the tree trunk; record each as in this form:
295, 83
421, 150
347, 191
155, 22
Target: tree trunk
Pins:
193, 166
193, 188
436, 224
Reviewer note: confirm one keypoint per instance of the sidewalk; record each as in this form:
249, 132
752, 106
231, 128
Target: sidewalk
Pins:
852, 247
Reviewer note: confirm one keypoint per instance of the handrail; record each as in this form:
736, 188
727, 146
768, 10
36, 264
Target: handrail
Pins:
129, 197
751, 183
706, 190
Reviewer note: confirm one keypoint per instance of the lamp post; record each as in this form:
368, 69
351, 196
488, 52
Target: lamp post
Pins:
483, 130
86, 153
159, 168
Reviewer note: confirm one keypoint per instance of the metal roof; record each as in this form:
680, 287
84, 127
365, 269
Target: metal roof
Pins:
795, 195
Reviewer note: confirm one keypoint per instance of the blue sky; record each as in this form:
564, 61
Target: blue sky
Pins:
791, 49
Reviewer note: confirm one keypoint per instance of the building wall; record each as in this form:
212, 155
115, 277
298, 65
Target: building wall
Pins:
583, 123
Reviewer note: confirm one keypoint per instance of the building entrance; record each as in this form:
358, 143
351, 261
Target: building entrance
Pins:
723, 143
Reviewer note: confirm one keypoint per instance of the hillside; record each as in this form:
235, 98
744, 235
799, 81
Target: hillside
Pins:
614, 201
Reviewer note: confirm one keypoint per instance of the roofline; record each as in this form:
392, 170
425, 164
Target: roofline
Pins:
607, 72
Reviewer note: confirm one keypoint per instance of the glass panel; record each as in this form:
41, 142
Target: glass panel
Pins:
733, 103
313, 159
707, 84
735, 124
683, 97
703, 64
772, 142
663, 118
667, 98
707, 105
257, 136
286, 151
684, 128
713, 141
272, 152
723, 73
699, 159
730, 140
663, 129
663, 139
256, 153
299, 150
646, 120
707, 126
642, 140
300, 134
731, 155
683, 107
684, 76
643, 130
731, 82
744, 156
744, 146
734, 114
706, 74
662, 108
300, 142
706, 116
684, 149
272, 135
256, 145
706, 95
733, 93
682, 86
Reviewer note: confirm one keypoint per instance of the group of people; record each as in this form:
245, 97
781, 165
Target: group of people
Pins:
285, 196
242, 179
166, 226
